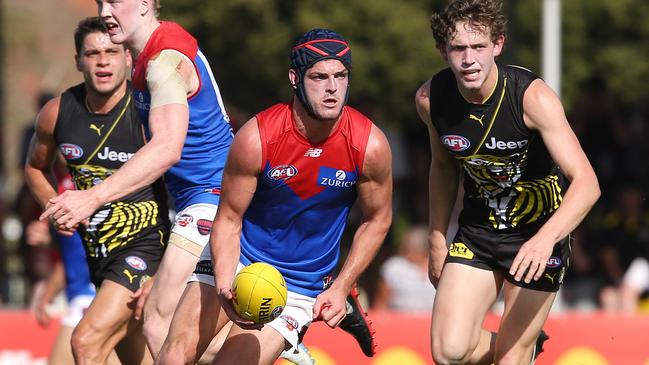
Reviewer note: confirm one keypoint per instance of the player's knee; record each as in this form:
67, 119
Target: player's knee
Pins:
84, 345
450, 352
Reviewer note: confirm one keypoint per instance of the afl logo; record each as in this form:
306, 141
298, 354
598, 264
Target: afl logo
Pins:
282, 172
71, 151
136, 263
553, 262
455, 143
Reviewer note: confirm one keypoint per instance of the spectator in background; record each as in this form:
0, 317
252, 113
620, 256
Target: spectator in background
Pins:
622, 246
37, 259
404, 284
601, 131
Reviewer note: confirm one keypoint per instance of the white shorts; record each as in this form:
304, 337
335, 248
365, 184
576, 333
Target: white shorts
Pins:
194, 225
297, 314
637, 275
76, 309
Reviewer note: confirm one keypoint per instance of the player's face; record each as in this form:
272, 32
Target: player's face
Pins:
326, 84
122, 18
470, 53
103, 63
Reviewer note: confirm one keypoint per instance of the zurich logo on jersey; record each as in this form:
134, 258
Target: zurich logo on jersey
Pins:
71, 151
336, 178
282, 172
455, 143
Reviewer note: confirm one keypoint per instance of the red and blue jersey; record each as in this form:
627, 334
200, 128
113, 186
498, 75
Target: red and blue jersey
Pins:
196, 178
305, 190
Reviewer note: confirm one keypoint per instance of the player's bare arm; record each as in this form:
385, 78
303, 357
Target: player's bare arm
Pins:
442, 188
239, 185
170, 79
543, 112
42, 152
375, 201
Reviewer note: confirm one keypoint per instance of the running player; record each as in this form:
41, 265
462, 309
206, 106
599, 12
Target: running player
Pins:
294, 172
189, 137
94, 125
508, 132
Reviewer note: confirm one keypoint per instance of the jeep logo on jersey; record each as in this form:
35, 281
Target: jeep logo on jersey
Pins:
455, 143
136, 263
336, 178
71, 151
493, 144
553, 262
109, 155
282, 172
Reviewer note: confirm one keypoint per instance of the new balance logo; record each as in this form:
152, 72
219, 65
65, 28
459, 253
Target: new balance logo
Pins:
313, 152
94, 127
479, 120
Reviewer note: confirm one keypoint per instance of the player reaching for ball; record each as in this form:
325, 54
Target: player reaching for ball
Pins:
291, 178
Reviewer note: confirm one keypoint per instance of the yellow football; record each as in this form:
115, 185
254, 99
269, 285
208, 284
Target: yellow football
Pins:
259, 292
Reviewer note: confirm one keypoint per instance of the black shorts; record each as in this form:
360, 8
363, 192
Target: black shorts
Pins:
495, 251
132, 264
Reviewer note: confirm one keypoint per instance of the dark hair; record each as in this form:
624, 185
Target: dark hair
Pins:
89, 25
482, 13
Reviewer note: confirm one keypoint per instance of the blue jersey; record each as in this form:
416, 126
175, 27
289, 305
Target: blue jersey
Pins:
196, 178
77, 275
298, 213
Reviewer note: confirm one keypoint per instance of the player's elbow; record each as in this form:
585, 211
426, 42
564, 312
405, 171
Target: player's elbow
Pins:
588, 186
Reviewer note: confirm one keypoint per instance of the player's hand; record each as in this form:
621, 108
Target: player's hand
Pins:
42, 316
141, 295
39, 304
531, 259
436, 258
330, 306
37, 233
70, 208
226, 296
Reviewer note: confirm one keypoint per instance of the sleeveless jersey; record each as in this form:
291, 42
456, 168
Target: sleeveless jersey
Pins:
510, 178
196, 178
95, 146
304, 192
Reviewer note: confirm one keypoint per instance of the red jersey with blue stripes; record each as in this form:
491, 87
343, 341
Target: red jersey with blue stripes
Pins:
304, 193
196, 178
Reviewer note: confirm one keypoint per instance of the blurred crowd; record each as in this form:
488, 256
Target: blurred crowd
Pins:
609, 267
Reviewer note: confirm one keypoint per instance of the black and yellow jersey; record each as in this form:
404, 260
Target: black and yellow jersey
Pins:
510, 178
95, 146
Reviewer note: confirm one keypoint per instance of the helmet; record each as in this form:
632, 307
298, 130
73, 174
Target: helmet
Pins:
314, 46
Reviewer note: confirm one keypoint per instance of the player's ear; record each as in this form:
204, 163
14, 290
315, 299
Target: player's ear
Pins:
499, 43
443, 53
293, 78
145, 6
77, 60
129, 58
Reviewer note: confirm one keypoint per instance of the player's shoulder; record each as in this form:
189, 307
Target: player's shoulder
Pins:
519, 76
48, 115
